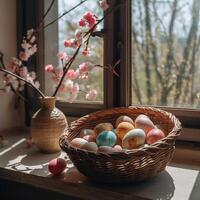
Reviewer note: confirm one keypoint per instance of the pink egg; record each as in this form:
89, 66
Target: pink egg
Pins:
144, 123
57, 166
78, 142
118, 147
89, 138
154, 135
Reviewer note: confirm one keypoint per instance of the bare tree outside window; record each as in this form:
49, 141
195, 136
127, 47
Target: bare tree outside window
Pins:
165, 52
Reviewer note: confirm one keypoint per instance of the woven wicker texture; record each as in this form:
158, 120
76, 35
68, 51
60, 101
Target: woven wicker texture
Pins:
130, 166
48, 123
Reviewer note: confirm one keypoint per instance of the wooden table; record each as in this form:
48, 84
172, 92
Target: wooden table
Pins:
29, 167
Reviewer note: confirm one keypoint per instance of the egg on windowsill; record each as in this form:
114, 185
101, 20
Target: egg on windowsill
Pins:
133, 139
123, 118
106, 138
123, 128
57, 166
102, 127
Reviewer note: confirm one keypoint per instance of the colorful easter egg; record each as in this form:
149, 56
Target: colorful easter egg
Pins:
102, 127
143, 122
78, 142
123, 118
154, 135
85, 132
133, 139
106, 138
107, 150
90, 138
118, 148
57, 166
90, 146
123, 128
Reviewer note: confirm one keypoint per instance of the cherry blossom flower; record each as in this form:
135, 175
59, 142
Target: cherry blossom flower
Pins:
72, 43
103, 4
12, 67
67, 86
86, 52
85, 67
71, 74
82, 22
23, 55
16, 61
61, 55
49, 68
23, 71
91, 95
90, 18
74, 93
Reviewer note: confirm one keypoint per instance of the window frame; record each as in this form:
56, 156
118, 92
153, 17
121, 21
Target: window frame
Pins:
117, 44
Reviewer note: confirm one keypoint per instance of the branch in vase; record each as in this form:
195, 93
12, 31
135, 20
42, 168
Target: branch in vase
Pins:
67, 66
22, 79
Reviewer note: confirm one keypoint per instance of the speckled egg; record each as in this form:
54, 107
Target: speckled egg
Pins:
123, 118
106, 138
107, 150
78, 142
85, 132
123, 128
102, 127
154, 135
90, 138
90, 146
57, 166
133, 139
143, 122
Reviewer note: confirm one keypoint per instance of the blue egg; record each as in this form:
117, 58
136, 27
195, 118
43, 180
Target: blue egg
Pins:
106, 138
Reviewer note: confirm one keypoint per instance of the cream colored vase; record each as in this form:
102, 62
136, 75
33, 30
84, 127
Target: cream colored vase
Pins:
48, 123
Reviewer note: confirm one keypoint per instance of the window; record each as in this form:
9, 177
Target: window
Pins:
157, 42
165, 53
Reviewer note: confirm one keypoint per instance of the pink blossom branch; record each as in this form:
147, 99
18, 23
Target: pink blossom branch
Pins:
27, 82
67, 66
88, 33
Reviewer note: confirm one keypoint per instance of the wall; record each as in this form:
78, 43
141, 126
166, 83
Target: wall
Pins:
9, 117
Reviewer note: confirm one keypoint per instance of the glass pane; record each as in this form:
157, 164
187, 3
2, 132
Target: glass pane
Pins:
66, 28
165, 53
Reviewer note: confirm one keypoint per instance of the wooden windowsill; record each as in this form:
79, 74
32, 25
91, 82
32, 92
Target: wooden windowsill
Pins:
28, 166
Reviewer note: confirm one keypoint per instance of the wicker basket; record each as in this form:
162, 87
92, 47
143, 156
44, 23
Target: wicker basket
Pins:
131, 166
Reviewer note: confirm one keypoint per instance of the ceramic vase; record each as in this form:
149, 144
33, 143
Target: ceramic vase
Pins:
48, 124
